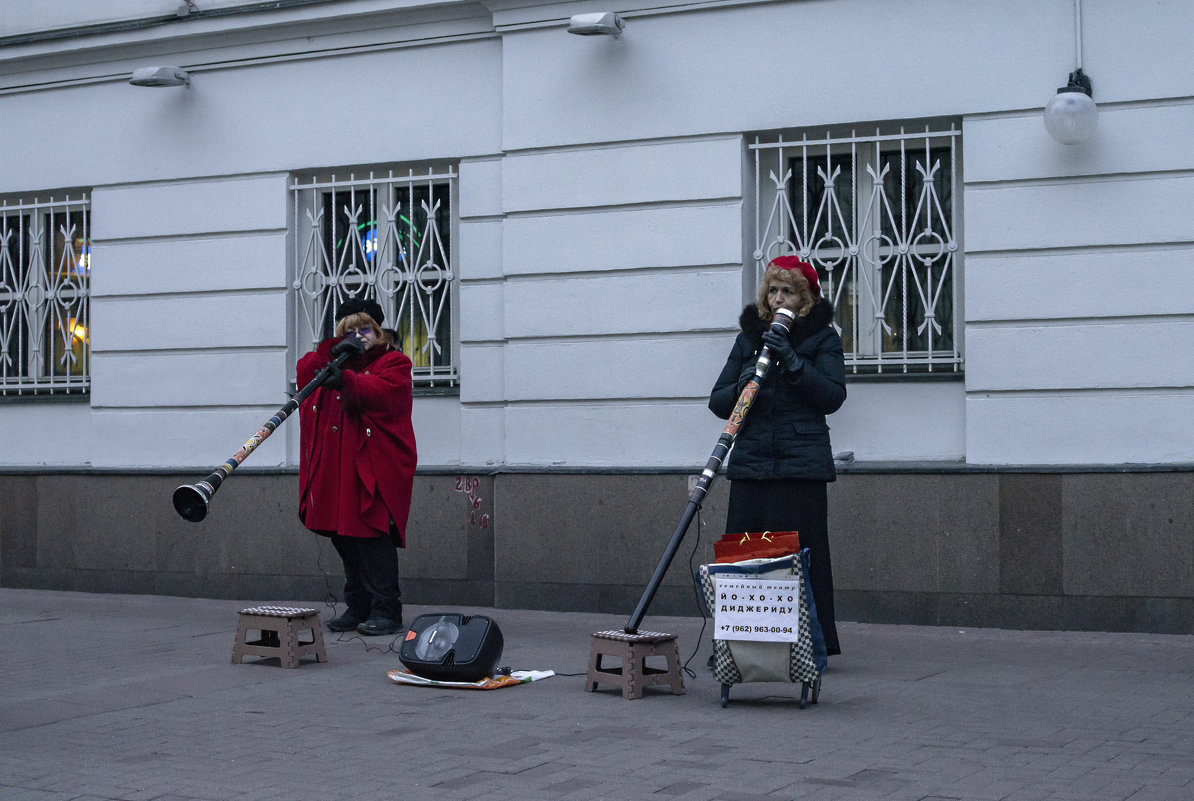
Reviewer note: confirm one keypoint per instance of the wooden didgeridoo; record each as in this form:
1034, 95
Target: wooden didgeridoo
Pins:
780, 324
191, 500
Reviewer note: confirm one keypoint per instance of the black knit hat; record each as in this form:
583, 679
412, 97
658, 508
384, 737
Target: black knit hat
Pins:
355, 305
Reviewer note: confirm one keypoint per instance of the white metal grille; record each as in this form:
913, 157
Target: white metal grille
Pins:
386, 238
45, 274
877, 216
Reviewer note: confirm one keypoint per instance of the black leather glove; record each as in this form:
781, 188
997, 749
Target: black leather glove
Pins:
350, 344
334, 379
781, 350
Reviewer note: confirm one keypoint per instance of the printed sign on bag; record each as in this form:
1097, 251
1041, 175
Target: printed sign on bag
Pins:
765, 610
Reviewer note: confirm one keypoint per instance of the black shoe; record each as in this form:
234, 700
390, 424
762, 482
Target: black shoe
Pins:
378, 625
345, 622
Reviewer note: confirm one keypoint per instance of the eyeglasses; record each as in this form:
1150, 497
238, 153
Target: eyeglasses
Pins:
361, 332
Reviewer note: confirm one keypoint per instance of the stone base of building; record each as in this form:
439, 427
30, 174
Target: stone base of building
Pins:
1100, 550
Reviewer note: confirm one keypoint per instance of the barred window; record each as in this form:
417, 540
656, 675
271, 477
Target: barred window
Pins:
875, 214
386, 238
45, 274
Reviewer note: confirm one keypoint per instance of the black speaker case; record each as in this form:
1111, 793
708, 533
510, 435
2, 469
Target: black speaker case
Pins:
473, 656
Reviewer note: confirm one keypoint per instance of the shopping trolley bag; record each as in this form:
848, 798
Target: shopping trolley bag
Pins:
787, 646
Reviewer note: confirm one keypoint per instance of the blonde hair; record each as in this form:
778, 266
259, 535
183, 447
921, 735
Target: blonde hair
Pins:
798, 284
354, 321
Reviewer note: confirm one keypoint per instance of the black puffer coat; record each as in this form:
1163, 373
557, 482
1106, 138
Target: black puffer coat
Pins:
785, 434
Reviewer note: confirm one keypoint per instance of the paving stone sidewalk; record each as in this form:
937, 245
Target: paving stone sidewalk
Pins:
134, 698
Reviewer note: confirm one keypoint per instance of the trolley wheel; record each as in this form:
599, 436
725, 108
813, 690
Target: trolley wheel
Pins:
816, 689
725, 695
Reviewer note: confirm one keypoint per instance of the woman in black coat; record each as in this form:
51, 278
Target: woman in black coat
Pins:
782, 461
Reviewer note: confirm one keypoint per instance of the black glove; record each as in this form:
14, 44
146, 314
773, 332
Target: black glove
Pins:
334, 378
350, 344
781, 350
748, 372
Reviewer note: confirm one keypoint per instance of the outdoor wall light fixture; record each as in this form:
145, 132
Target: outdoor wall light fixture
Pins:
160, 76
605, 23
1071, 115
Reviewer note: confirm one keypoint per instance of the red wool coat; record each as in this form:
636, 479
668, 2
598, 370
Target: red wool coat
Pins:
358, 456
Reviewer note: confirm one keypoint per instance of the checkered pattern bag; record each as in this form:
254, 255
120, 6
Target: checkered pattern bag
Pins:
805, 663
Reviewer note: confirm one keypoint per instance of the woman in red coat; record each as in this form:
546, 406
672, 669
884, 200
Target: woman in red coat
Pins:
357, 463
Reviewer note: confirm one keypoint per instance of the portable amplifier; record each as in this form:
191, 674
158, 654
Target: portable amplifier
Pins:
448, 646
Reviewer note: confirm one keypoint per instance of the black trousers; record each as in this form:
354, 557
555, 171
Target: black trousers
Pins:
370, 576
791, 504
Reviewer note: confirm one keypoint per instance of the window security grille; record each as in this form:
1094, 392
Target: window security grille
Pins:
877, 216
387, 239
45, 274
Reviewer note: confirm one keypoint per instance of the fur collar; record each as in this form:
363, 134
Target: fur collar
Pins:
819, 316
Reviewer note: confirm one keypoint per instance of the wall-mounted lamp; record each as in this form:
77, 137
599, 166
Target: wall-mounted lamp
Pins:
160, 76
605, 23
1071, 115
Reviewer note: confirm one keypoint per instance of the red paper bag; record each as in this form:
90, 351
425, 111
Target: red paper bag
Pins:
737, 547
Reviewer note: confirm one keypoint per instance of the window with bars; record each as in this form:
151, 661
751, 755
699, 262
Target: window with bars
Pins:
877, 215
387, 238
45, 275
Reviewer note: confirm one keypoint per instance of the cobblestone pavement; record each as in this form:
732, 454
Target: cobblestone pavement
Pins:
134, 698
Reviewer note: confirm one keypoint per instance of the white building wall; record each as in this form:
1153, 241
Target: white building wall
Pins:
601, 219
615, 278
481, 406
1079, 270
181, 361
190, 327
750, 68
20, 17
746, 67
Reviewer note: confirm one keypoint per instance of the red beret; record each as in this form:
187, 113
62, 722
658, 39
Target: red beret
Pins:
803, 267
